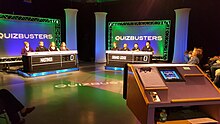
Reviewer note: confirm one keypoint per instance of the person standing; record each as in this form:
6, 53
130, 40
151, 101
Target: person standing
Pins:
26, 48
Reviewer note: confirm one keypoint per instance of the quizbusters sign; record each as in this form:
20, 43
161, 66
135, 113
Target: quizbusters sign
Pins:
137, 38
22, 36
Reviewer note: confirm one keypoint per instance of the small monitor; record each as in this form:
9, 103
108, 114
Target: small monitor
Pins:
170, 74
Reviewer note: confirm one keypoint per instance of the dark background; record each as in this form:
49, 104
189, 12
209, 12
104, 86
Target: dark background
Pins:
204, 23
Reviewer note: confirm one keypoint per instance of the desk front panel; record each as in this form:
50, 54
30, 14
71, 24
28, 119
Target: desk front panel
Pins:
49, 63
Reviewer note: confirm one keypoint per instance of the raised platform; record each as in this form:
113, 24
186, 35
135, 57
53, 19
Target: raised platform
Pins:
114, 68
30, 75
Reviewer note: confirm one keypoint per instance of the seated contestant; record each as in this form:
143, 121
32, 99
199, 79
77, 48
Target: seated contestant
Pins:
53, 47
125, 47
41, 47
115, 46
26, 48
148, 48
63, 47
136, 48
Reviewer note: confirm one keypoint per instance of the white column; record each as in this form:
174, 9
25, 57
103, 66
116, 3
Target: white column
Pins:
181, 34
100, 56
71, 32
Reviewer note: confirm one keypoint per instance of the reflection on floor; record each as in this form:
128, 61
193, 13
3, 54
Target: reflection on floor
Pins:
89, 96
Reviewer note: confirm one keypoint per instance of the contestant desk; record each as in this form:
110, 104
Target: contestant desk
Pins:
120, 58
183, 90
49, 61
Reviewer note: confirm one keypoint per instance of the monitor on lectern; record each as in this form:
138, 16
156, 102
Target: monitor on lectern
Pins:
170, 74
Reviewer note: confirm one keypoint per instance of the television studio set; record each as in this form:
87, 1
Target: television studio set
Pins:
109, 61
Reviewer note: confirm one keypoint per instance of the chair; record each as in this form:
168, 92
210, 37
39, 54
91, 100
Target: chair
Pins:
4, 116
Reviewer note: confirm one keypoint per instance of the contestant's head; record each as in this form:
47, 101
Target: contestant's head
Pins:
63, 44
135, 45
125, 45
148, 43
41, 43
26, 44
52, 44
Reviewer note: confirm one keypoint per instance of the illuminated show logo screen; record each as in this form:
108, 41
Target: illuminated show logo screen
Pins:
157, 32
16, 29
170, 74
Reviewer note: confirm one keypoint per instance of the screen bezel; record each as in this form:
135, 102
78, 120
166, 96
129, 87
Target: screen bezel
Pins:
160, 69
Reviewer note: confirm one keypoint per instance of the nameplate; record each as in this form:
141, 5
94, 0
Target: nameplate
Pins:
119, 57
47, 59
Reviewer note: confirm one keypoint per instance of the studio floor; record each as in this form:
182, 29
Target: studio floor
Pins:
91, 95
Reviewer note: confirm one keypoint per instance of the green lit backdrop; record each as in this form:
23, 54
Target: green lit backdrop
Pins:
156, 31
15, 29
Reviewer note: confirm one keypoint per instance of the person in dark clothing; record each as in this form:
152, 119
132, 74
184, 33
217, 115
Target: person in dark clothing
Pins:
136, 48
53, 47
12, 106
41, 47
115, 46
125, 47
200, 53
26, 48
148, 48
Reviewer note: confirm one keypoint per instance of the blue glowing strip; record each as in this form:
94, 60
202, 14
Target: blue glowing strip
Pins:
46, 73
114, 68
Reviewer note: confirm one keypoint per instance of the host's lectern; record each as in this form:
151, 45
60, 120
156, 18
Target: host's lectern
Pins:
182, 90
